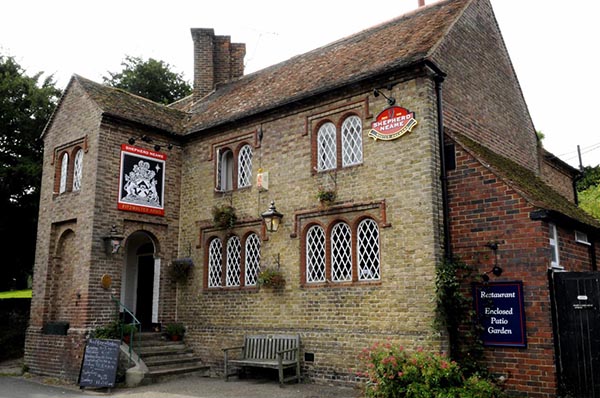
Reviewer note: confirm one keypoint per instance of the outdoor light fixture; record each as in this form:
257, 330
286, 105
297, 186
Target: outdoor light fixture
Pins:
157, 145
112, 242
496, 270
272, 218
391, 100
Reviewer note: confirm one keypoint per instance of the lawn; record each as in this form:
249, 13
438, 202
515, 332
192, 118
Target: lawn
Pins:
15, 294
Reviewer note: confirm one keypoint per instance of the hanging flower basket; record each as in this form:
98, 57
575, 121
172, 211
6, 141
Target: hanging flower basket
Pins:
326, 196
224, 216
271, 277
180, 268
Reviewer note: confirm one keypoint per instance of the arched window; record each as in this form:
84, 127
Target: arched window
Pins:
245, 167
352, 141
225, 171
234, 256
368, 250
215, 253
326, 147
341, 252
77, 170
64, 170
252, 259
315, 254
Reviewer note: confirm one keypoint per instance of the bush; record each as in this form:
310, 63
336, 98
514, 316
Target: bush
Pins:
392, 372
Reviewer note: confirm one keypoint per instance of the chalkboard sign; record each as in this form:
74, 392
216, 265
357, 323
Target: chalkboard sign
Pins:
99, 366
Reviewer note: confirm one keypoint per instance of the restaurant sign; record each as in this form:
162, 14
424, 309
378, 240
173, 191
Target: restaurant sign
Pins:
500, 312
142, 180
392, 123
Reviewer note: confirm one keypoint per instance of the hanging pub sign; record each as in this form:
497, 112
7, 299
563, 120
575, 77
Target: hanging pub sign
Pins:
392, 123
501, 314
142, 181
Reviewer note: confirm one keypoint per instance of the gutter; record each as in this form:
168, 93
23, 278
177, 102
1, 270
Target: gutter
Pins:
439, 79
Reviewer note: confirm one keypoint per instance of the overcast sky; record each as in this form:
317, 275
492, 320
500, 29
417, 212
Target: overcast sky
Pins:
552, 43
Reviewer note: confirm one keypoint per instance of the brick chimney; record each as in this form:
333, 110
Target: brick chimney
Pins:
216, 60
421, 3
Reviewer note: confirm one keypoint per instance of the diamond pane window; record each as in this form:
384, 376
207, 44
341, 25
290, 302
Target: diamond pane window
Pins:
368, 250
77, 170
352, 141
341, 253
326, 147
215, 255
315, 254
234, 254
64, 169
245, 167
252, 259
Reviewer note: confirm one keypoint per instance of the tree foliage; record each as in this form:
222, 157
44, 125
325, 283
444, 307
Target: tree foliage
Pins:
150, 79
590, 177
26, 104
588, 190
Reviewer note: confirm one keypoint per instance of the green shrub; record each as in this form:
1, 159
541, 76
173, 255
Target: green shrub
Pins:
392, 372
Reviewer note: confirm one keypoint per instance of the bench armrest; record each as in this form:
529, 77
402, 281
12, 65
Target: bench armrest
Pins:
232, 348
288, 350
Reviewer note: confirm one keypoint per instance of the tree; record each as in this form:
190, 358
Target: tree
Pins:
150, 79
26, 104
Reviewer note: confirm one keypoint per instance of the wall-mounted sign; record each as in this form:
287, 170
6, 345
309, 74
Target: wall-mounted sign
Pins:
142, 182
392, 123
501, 314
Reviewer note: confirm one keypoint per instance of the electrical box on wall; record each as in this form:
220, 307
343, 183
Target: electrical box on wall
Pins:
262, 180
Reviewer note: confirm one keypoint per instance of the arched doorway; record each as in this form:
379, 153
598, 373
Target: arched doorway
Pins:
141, 279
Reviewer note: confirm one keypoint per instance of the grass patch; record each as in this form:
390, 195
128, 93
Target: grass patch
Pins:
15, 294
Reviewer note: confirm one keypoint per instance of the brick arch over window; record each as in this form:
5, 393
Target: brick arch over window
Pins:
68, 163
62, 296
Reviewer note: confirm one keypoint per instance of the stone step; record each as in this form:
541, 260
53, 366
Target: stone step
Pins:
160, 359
174, 363
160, 375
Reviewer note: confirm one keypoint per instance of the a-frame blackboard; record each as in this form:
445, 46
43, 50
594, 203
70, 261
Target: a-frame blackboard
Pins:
99, 365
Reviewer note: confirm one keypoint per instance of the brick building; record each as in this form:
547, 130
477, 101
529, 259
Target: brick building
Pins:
363, 118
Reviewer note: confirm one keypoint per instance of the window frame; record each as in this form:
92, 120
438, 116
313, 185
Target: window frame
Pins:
553, 243
232, 174
77, 169
355, 254
340, 143
225, 267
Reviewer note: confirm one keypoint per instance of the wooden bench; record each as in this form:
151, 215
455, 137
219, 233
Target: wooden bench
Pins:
267, 351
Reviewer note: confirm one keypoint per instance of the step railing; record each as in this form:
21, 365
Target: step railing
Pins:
135, 324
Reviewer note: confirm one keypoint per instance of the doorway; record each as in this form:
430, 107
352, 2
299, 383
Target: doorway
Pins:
576, 305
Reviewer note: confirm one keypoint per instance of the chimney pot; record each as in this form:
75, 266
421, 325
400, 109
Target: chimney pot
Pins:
421, 3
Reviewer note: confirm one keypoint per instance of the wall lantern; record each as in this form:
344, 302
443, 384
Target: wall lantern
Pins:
496, 270
272, 218
112, 242
390, 100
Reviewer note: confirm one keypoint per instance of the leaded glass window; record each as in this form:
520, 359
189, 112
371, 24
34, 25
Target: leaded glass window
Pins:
77, 170
368, 250
352, 141
215, 255
315, 254
64, 170
326, 147
341, 252
245, 167
252, 264
234, 254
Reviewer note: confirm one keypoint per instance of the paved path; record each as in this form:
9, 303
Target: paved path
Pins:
12, 385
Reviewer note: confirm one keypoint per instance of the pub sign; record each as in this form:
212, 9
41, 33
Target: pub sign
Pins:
142, 180
392, 123
500, 312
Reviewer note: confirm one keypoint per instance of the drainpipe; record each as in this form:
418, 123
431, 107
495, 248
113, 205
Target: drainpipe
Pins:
439, 79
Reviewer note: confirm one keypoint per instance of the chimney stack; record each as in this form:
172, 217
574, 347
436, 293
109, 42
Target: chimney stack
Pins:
216, 60
421, 3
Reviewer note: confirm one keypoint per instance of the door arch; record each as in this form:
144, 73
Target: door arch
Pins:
141, 278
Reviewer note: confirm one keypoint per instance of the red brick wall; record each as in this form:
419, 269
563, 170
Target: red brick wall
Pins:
484, 209
482, 97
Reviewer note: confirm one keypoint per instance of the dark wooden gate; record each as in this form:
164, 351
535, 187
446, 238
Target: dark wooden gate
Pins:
576, 303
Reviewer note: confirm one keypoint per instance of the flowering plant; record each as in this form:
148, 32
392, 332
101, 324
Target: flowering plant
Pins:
392, 372
271, 277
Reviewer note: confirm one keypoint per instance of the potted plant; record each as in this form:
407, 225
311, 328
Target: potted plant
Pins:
128, 330
271, 277
180, 268
224, 216
175, 331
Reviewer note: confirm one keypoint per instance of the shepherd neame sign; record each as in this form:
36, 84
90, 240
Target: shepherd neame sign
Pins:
501, 314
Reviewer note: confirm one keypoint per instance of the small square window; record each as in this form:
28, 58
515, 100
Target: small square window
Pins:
581, 237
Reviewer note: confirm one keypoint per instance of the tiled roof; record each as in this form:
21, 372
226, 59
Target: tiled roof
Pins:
392, 45
524, 181
119, 103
